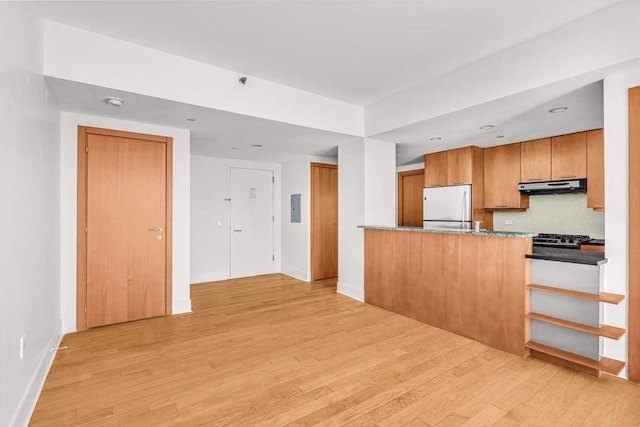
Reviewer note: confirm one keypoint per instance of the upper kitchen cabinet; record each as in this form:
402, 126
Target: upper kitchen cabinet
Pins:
535, 161
435, 169
569, 156
595, 169
501, 178
460, 166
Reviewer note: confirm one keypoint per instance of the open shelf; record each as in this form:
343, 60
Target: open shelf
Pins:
606, 331
610, 366
604, 297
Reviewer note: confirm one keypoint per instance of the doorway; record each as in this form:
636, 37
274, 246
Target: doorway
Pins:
124, 226
410, 186
324, 221
251, 222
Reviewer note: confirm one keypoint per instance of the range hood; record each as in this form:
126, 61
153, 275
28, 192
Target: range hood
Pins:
554, 187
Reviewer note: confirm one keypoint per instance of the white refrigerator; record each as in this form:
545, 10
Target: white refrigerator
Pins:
447, 207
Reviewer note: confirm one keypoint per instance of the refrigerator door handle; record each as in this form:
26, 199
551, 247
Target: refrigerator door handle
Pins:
464, 206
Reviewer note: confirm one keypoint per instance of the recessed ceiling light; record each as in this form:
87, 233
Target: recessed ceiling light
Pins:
115, 101
487, 127
558, 110
191, 119
256, 145
499, 136
435, 138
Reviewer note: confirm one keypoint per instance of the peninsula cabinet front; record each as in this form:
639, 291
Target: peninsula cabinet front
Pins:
469, 284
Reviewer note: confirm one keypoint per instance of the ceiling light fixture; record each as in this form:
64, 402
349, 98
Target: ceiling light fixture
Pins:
256, 145
115, 101
234, 148
435, 138
558, 110
487, 127
191, 119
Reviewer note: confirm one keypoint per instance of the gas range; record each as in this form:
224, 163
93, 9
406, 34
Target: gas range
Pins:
568, 241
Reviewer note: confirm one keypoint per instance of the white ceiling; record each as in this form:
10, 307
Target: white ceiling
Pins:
214, 133
356, 51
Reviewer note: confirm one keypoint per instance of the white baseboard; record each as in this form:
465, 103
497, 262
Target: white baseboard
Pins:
204, 278
181, 306
32, 394
347, 290
295, 273
69, 325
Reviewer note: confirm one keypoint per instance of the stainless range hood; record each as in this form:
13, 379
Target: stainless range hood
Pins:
554, 187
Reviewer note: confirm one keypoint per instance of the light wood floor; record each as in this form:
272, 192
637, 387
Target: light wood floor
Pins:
272, 350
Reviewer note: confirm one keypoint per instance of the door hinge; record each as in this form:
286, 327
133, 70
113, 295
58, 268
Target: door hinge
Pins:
86, 149
273, 179
85, 309
86, 230
273, 257
273, 218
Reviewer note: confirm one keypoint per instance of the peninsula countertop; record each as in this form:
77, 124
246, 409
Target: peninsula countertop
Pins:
519, 234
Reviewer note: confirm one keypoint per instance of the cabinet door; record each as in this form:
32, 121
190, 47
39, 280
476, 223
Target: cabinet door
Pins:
501, 178
535, 161
459, 166
595, 169
569, 156
435, 169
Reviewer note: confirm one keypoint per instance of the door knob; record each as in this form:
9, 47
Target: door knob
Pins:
156, 229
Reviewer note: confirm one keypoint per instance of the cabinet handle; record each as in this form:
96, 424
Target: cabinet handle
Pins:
500, 206
568, 176
458, 183
534, 179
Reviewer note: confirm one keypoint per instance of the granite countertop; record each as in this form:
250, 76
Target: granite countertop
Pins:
567, 255
451, 231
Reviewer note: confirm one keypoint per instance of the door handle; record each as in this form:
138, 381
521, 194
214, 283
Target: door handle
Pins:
156, 229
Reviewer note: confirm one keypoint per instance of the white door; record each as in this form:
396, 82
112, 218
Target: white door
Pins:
251, 222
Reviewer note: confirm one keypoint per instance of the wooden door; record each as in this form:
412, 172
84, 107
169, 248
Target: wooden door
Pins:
324, 221
595, 169
460, 166
569, 156
501, 178
435, 169
410, 186
535, 161
124, 227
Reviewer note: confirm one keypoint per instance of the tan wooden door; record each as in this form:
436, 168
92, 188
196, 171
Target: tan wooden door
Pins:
324, 221
126, 228
410, 189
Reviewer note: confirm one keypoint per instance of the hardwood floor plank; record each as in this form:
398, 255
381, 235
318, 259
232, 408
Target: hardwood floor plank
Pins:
272, 350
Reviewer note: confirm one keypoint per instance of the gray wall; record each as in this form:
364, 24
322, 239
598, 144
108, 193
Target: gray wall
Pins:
554, 213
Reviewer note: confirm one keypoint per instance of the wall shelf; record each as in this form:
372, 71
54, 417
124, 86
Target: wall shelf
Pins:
606, 331
604, 297
610, 366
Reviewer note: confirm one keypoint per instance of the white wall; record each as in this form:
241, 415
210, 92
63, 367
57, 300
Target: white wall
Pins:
87, 57
366, 195
210, 215
30, 194
616, 145
180, 239
296, 238
603, 39
380, 207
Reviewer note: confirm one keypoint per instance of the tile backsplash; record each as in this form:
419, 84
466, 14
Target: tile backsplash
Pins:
554, 213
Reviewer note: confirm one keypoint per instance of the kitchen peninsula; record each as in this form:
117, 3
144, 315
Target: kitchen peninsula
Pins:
470, 283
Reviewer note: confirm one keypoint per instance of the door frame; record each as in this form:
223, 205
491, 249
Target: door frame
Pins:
81, 244
312, 214
634, 237
401, 189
